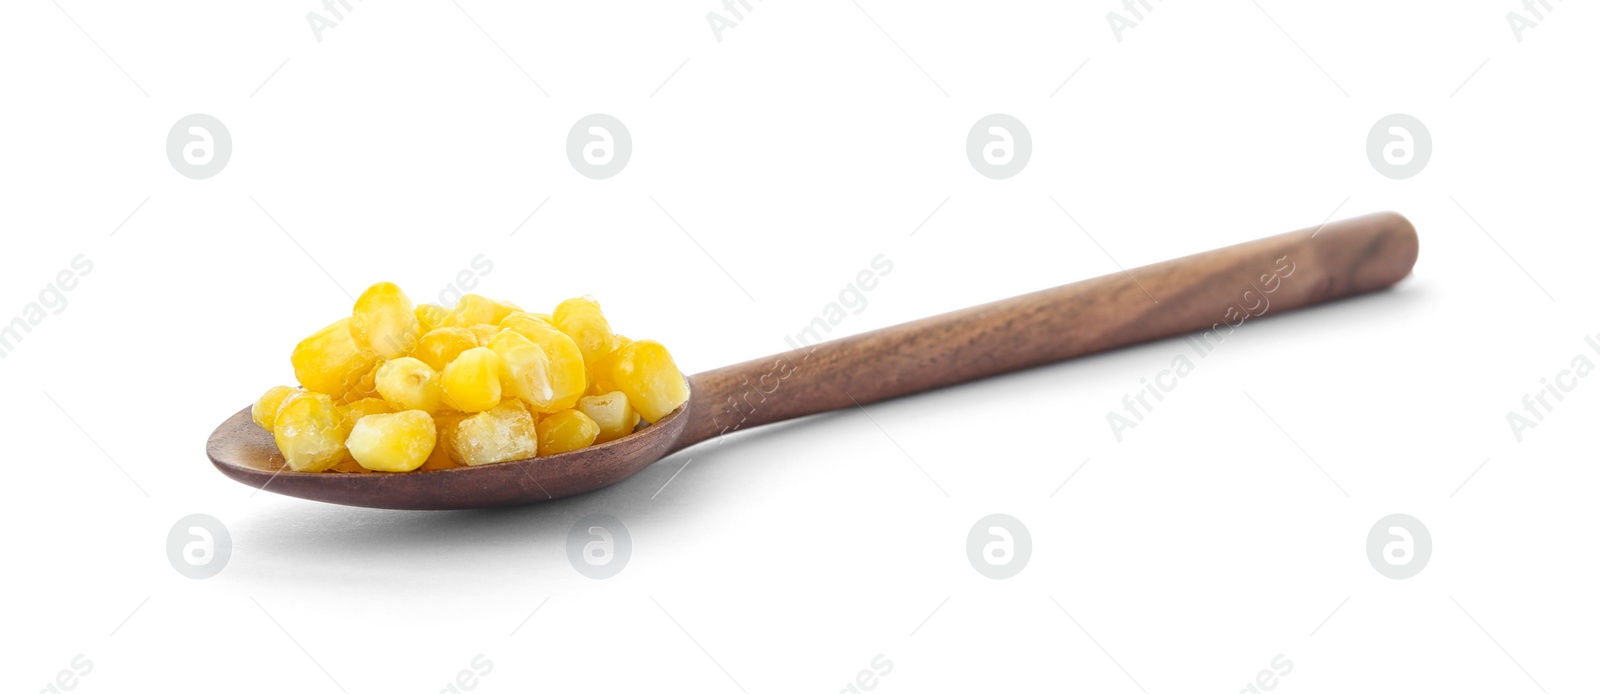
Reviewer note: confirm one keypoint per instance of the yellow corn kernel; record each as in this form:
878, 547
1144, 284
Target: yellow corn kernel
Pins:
329, 362
408, 383
310, 432
501, 310
582, 321
444, 422
473, 309
431, 316
441, 346
494, 382
495, 436
483, 333
644, 370
612, 413
567, 430
524, 368
524, 315
568, 378
439, 459
265, 411
600, 381
353, 412
384, 321
364, 387
472, 382
399, 442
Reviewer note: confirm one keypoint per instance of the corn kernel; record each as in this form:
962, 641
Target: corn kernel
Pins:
582, 321
483, 333
472, 382
353, 412
644, 370
441, 346
600, 380
444, 422
523, 322
364, 387
567, 430
495, 436
329, 362
431, 316
439, 459
410, 384
310, 432
568, 378
501, 310
384, 321
524, 369
399, 442
265, 411
612, 413
396, 387
473, 309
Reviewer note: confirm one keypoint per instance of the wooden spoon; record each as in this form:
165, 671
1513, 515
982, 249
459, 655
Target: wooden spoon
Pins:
1209, 293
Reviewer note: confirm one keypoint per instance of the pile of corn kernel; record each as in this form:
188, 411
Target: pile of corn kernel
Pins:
395, 387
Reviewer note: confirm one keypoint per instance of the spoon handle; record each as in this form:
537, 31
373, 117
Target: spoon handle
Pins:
1211, 294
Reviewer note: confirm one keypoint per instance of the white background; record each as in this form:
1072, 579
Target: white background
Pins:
805, 142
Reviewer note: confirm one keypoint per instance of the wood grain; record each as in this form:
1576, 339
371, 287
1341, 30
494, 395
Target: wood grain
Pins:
1209, 291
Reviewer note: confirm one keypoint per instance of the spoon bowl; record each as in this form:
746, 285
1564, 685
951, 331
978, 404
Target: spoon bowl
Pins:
246, 453
1213, 294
